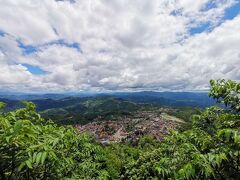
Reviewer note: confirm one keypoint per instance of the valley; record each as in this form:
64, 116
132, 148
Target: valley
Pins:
115, 119
130, 129
108, 137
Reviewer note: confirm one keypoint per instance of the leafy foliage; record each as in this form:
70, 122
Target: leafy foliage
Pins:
74, 112
227, 92
209, 150
32, 148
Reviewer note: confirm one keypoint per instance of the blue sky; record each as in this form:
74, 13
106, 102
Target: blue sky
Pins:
34, 69
28, 49
229, 14
75, 46
232, 11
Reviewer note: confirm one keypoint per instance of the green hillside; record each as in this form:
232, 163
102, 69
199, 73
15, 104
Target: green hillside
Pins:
86, 110
33, 148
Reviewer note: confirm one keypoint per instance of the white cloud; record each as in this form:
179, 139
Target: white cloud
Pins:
125, 45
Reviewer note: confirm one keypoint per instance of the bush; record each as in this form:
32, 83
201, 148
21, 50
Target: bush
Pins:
209, 150
32, 148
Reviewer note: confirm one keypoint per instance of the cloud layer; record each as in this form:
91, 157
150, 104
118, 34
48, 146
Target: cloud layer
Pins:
117, 45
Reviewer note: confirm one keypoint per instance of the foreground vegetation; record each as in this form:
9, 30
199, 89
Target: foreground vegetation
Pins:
32, 148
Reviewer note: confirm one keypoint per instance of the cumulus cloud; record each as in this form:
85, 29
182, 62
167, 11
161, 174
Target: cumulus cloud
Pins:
117, 45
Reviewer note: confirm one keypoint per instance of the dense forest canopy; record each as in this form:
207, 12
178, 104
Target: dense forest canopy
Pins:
33, 148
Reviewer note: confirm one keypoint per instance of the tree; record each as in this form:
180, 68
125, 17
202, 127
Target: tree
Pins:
227, 92
32, 148
209, 150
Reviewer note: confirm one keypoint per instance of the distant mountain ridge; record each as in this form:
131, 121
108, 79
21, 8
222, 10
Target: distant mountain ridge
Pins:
82, 109
176, 99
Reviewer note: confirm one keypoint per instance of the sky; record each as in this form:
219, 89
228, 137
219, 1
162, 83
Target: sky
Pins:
117, 45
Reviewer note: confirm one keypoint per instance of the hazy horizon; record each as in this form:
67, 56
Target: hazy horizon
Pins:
93, 92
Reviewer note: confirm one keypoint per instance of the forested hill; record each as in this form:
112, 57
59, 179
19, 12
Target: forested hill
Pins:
177, 99
33, 148
84, 108
173, 99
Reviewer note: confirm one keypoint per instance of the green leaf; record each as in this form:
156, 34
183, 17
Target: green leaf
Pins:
38, 158
21, 166
8, 139
43, 157
29, 164
34, 156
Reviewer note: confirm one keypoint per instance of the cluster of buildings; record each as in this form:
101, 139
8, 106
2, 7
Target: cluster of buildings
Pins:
130, 128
